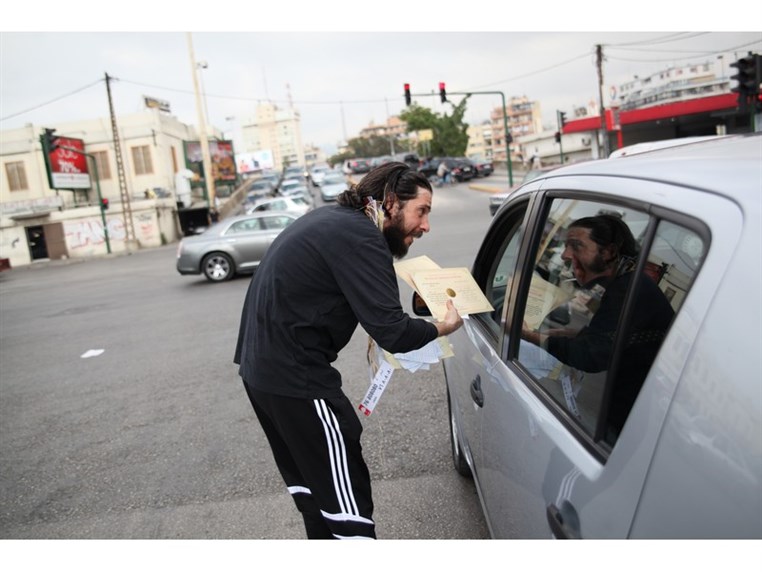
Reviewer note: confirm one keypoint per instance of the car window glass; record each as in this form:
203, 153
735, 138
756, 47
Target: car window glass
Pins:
247, 225
495, 271
277, 222
574, 316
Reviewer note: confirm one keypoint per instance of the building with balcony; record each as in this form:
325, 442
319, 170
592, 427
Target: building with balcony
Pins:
523, 117
675, 83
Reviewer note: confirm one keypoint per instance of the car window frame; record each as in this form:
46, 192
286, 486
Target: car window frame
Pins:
507, 338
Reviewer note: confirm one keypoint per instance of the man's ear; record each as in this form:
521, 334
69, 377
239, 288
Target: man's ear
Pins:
389, 202
609, 253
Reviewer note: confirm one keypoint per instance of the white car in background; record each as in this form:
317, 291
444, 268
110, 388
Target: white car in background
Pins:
317, 174
294, 204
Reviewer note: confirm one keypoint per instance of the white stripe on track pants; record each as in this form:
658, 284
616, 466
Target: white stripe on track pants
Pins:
316, 446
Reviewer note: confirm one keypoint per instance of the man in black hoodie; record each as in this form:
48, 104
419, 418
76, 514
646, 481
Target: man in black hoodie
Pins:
328, 271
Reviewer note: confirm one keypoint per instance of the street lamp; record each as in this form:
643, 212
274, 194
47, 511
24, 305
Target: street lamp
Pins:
202, 66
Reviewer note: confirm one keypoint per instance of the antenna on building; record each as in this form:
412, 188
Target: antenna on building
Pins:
288, 94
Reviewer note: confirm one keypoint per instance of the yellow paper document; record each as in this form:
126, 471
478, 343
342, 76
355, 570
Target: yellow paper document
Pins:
436, 286
406, 268
543, 298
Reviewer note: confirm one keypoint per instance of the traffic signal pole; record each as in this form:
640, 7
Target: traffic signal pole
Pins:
442, 95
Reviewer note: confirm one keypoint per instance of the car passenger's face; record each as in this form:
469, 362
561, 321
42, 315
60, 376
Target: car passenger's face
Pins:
584, 255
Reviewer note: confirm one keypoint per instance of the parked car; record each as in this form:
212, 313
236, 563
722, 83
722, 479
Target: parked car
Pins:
459, 169
333, 185
295, 172
378, 161
232, 246
410, 158
317, 173
356, 166
258, 189
483, 167
498, 199
662, 438
296, 204
293, 187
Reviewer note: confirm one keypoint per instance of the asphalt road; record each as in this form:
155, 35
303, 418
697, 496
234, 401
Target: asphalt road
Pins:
122, 415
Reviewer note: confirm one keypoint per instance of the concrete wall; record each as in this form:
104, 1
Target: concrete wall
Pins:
154, 221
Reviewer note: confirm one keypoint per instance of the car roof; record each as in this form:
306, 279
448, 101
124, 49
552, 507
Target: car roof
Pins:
646, 146
728, 165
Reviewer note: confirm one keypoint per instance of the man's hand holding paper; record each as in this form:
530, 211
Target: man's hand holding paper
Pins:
438, 286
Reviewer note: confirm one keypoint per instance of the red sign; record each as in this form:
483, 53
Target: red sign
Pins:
68, 165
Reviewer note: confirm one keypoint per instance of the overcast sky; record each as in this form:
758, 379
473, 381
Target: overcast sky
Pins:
339, 81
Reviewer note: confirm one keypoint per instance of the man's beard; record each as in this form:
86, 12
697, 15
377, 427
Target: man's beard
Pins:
395, 238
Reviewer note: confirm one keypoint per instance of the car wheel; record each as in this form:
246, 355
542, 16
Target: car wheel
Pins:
461, 465
217, 267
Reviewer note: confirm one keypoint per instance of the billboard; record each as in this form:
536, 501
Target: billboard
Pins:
68, 165
223, 164
254, 162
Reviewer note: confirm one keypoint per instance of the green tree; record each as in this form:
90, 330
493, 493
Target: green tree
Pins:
450, 138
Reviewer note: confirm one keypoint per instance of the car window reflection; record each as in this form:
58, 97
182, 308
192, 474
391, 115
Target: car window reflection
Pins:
574, 319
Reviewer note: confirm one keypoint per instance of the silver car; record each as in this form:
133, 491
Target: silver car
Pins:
650, 426
334, 183
232, 246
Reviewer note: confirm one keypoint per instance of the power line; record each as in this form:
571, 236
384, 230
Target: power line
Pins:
671, 38
529, 74
695, 54
59, 98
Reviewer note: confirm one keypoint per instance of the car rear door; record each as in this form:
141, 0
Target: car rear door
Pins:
549, 459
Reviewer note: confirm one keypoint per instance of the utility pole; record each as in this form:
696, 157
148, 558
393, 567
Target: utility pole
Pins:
604, 130
129, 228
207, 158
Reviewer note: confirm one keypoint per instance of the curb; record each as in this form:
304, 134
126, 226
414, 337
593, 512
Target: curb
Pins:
486, 188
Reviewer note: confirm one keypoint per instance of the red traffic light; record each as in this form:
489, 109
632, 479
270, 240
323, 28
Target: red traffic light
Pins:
442, 92
407, 94
104, 204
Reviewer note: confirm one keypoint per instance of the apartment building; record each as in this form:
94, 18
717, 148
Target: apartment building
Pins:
275, 129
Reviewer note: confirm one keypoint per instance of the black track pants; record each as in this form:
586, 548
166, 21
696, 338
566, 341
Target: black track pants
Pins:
316, 445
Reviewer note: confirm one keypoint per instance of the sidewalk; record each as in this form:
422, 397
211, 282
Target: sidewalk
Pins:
497, 182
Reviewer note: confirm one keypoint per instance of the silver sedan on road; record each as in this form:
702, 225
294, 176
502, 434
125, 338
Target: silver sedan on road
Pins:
233, 246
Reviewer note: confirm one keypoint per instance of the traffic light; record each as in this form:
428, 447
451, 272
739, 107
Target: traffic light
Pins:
747, 78
561, 119
49, 141
442, 92
558, 136
104, 204
407, 94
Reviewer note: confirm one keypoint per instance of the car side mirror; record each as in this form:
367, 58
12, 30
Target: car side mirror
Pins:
420, 308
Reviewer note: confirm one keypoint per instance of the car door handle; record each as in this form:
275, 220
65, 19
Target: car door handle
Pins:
563, 529
476, 391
